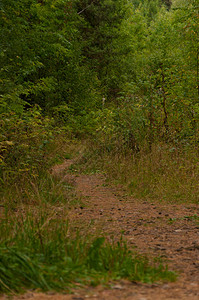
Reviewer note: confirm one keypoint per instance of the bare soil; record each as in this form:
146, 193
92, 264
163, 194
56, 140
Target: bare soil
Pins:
158, 229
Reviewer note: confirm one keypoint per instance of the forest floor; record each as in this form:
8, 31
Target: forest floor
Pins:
153, 228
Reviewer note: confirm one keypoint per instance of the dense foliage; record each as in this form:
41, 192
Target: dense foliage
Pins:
65, 56
41, 56
125, 72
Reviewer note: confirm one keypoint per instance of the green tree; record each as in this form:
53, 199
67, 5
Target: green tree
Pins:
41, 56
165, 84
105, 40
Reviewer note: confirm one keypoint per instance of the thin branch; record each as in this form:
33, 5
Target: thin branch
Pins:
81, 11
184, 7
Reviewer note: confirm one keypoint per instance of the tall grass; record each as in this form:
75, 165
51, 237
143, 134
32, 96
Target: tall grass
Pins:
165, 173
39, 252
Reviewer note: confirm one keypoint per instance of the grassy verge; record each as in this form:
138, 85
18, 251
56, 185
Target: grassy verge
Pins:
164, 174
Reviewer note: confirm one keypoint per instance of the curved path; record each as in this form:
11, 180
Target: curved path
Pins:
159, 229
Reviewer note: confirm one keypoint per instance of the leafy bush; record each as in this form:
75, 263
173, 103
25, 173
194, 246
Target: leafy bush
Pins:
24, 143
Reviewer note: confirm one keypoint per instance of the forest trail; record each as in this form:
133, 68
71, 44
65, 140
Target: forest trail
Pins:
158, 229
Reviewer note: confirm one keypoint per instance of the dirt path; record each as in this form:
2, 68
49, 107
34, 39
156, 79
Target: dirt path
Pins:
159, 229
